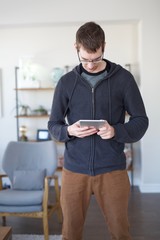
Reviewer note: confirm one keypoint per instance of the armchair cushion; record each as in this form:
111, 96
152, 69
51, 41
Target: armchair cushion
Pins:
28, 179
20, 201
11, 197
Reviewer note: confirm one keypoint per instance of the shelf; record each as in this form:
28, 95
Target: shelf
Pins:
34, 89
29, 108
32, 116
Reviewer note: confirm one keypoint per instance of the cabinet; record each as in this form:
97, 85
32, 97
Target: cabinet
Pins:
32, 109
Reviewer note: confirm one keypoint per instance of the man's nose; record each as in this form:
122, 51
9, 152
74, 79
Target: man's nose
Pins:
90, 65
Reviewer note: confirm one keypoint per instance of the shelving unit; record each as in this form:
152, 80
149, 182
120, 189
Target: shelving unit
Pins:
35, 97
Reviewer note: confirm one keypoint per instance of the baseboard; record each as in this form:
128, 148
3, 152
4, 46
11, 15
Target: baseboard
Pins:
149, 188
145, 188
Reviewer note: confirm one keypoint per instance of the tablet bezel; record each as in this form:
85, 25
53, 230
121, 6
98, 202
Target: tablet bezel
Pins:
92, 123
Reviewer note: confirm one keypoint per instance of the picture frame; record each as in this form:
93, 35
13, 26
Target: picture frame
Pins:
43, 135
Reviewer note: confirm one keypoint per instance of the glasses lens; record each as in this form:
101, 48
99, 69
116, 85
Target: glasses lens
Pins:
94, 61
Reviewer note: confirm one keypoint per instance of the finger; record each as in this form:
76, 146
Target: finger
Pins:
86, 133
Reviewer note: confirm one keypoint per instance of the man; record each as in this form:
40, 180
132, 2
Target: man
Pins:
94, 160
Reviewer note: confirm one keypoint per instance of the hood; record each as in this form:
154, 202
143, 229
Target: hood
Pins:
113, 68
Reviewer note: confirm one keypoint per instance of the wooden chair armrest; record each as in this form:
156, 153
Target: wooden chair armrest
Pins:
2, 176
46, 189
53, 177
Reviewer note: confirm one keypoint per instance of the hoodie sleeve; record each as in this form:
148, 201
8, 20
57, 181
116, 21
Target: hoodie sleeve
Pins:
57, 125
135, 128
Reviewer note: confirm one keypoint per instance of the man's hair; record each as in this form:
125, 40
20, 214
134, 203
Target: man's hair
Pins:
91, 36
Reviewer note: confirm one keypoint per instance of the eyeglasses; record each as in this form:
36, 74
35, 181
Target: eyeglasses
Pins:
94, 61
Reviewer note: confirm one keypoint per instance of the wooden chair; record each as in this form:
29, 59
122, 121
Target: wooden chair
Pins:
30, 166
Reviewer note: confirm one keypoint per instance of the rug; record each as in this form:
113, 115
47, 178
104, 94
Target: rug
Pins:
34, 237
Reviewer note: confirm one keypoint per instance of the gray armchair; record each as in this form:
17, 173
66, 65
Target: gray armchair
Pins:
30, 167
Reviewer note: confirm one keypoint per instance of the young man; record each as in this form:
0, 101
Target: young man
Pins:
94, 160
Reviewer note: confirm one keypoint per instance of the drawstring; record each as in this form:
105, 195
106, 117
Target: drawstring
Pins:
109, 102
65, 113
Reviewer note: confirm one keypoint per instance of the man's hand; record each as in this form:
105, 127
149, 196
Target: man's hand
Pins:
106, 132
80, 132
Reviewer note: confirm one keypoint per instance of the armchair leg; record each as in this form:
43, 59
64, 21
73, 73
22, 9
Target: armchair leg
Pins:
45, 228
3, 221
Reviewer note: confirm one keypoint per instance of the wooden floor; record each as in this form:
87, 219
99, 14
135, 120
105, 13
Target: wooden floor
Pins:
144, 215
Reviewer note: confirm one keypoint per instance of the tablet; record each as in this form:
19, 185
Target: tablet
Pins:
92, 123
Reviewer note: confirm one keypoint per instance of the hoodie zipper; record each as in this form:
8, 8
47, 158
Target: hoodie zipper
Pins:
93, 111
91, 162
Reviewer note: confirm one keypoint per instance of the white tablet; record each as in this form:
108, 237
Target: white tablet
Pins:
92, 123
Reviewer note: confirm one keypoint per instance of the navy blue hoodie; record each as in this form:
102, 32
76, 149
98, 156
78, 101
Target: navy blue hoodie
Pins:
110, 99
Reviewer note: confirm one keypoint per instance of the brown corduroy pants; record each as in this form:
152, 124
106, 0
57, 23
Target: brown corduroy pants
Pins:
111, 191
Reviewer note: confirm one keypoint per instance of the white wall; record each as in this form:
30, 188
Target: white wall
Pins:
40, 14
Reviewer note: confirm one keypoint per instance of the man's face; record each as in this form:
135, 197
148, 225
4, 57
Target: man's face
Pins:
91, 62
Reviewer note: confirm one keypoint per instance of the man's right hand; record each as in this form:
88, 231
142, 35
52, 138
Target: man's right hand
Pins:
77, 131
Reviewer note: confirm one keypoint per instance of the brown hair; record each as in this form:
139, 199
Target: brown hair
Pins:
91, 36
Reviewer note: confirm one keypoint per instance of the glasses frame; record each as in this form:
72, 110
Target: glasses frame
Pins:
94, 61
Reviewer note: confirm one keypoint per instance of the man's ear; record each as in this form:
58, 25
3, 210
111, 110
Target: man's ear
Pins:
103, 49
76, 46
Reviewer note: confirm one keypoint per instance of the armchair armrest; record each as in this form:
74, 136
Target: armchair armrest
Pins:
46, 189
2, 176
